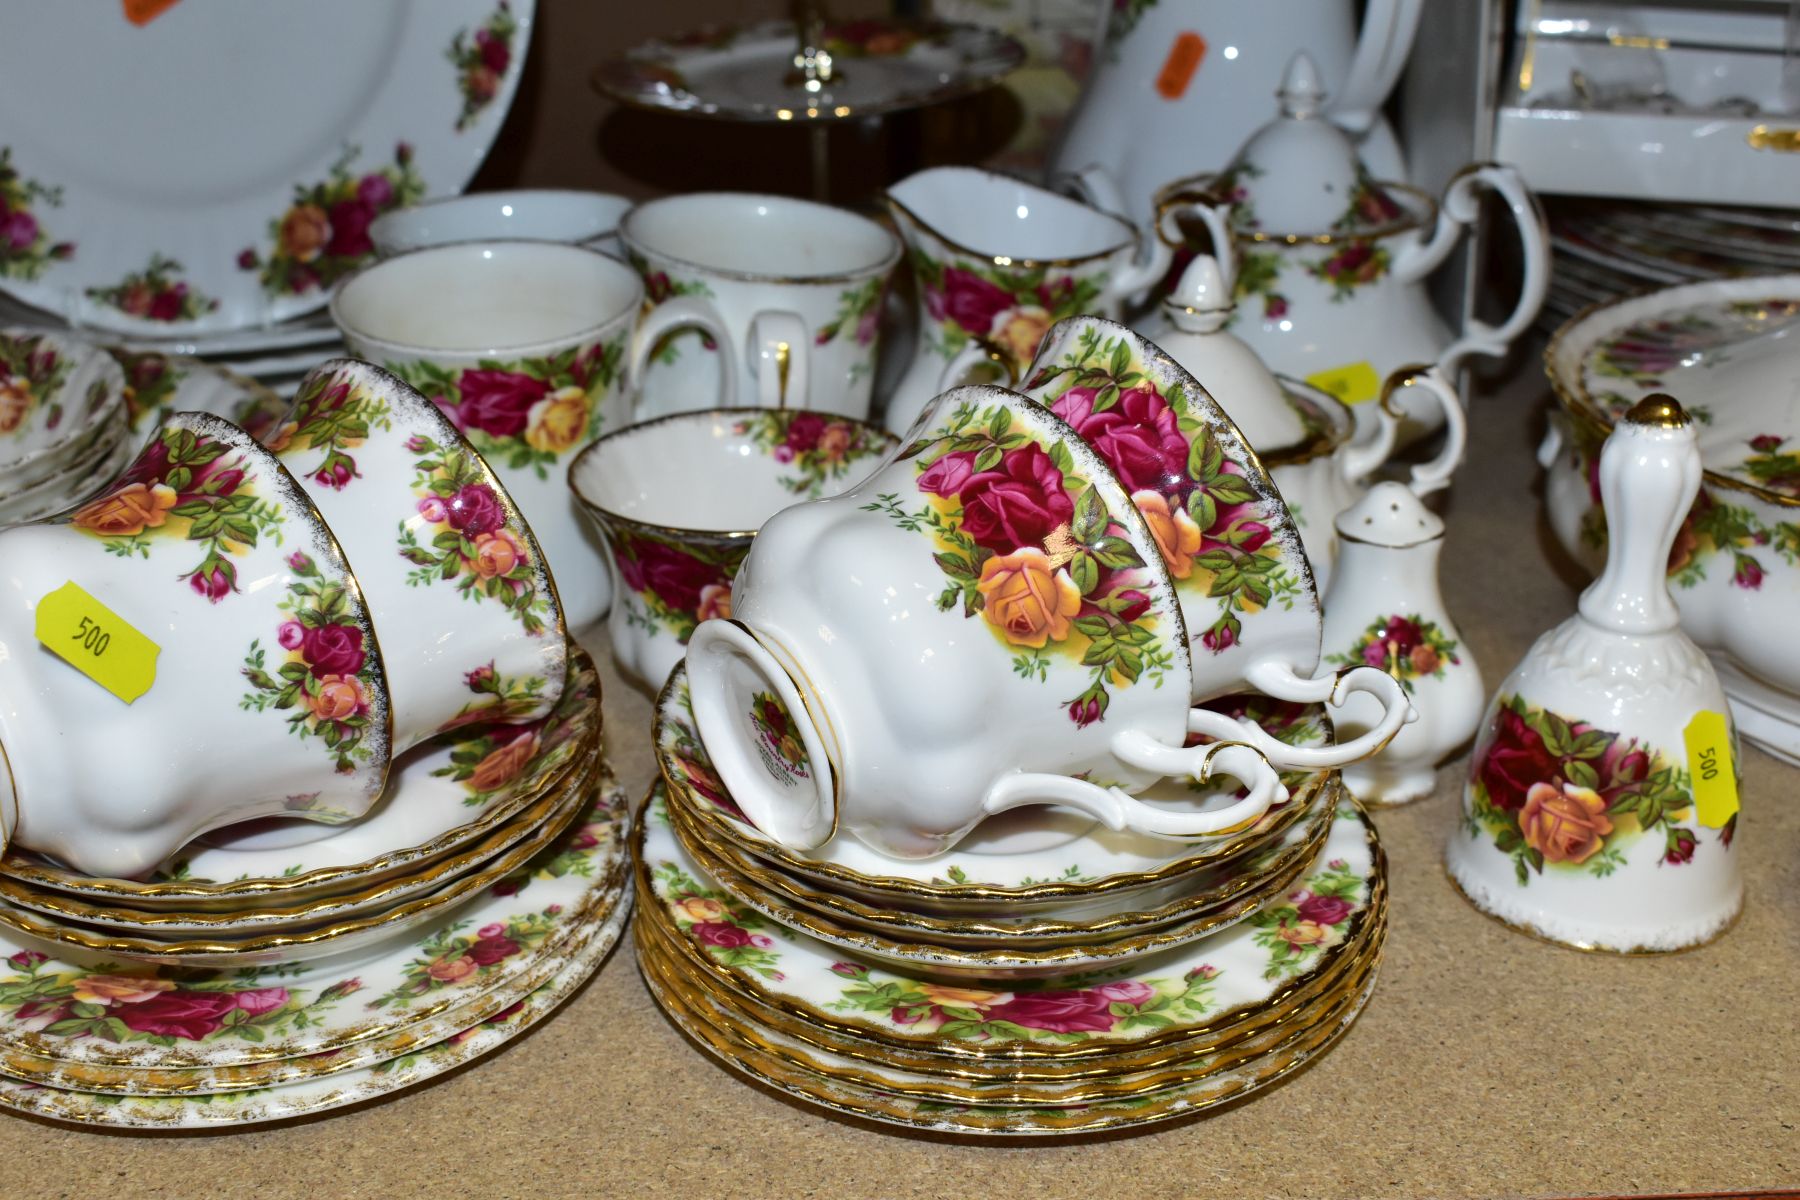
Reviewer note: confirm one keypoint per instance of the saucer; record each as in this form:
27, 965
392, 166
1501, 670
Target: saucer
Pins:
240, 1109
1183, 993
73, 1007
743, 73
984, 875
441, 796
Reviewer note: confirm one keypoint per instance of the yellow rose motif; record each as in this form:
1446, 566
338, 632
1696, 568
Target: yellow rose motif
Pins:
128, 511
1177, 537
1017, 331
557, 422
1303, 933
15, 402
835, 441
696, 909
963, 997
304, 232
1569, 825
119, 989
715, 601
1027, 599
282, 437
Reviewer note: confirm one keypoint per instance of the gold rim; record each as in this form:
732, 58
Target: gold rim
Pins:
653, 941
1122, 1085
830, 906
62, 880
804, 1011
953, 893
822, 1089
1585, 413
388, 891
873, 270
151, 951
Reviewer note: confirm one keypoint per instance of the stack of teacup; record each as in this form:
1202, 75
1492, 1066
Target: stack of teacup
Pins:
944, 835
303, 774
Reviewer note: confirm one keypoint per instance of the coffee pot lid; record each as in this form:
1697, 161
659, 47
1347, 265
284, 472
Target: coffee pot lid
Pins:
1390, 515
1300, 174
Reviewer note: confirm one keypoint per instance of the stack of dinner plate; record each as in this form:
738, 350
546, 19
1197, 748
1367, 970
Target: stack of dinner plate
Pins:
1043, 977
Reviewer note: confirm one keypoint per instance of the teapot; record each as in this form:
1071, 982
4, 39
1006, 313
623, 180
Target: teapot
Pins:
1332, 264
1166, 95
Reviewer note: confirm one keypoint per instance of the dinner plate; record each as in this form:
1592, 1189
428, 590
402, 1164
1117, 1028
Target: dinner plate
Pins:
208, 165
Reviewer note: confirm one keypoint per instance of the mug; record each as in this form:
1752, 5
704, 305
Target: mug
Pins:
258, 690
797, 286
469, 618
1230, 544
925, 650
524, 346
678, 500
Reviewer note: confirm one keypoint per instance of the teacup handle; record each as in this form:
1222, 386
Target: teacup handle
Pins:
976, 351
1461, 206
778, 349
1280, 681
1096, 188
681, 312
1356, 462
1116, 810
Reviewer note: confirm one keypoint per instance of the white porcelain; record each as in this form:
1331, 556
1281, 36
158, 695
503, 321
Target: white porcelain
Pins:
1727, 350
1247, 596
1385, 610
1300, 172
1345, 300
269, 694
463, 601
234, 184
1585, 819
1176, 83
791, 292
57, 393
525, 346
996, 261
1303, 435
678, 500
579, 218
907, 658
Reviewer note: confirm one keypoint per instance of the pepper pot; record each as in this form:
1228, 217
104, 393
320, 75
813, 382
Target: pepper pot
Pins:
1601, 805
1384, 609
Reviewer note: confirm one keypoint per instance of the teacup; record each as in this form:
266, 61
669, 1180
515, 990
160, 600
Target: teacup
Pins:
471, 624
1240, 571
797, 286
679, 499
58, 395
266, 690
578, 218
524, 345
930, 648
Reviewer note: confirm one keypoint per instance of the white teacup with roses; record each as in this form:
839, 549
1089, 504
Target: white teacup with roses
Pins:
525, 346
983, 623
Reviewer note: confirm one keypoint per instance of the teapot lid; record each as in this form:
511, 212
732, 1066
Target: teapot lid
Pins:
1197, 312
1390, 515
1300, 174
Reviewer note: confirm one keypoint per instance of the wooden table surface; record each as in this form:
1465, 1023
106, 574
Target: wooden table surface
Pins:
1486, 1064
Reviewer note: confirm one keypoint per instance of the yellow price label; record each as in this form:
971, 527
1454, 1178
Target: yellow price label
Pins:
1712, 768
97, 641
1353, 383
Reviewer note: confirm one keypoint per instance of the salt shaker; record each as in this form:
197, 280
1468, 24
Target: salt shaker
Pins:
1384, 609
1601, 805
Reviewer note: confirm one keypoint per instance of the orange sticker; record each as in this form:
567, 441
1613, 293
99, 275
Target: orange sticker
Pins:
142, 12
1178, 69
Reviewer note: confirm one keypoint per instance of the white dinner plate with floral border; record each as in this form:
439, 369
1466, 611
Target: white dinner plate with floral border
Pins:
260, 1106
70, 1007
188, 166
440, 796
1155, 1001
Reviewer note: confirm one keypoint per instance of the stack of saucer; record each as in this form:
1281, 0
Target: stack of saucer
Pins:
1038, 979
62, 426
255, 979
